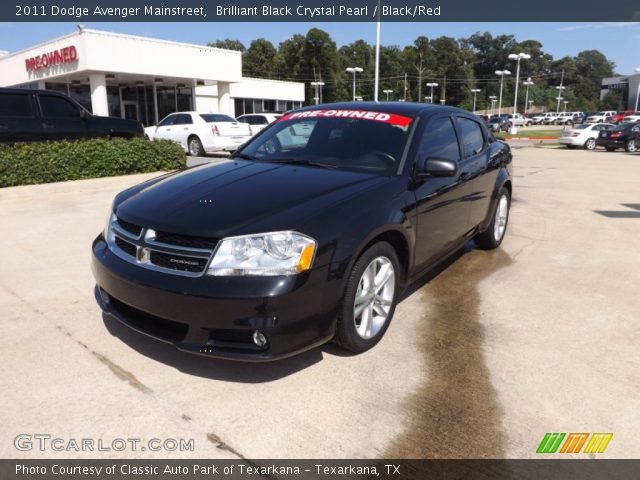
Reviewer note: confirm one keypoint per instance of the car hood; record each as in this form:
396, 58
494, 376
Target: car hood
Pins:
237, 197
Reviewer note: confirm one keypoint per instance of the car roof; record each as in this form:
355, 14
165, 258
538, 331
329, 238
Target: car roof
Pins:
399, 108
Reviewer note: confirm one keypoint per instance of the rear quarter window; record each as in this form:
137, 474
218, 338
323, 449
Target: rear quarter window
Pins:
15, 105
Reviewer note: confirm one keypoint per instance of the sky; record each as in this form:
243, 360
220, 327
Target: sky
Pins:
619, 41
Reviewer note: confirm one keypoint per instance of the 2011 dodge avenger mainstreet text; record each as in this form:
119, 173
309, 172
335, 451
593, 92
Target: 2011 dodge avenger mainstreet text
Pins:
308, 233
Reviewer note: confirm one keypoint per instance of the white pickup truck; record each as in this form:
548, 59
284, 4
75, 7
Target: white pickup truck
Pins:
518, 120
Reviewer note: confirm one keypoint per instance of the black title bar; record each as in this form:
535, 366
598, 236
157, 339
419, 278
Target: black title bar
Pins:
319, 11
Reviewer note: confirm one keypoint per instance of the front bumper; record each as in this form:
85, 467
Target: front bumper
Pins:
216, 316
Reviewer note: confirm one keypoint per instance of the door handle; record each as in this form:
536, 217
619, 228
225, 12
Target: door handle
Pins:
47, 125
186, 128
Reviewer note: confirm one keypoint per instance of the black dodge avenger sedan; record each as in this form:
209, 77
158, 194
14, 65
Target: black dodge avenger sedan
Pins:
307, 233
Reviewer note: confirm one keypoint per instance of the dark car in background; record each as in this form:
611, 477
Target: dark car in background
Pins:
288, 245
624, 136
499, 123
38, 115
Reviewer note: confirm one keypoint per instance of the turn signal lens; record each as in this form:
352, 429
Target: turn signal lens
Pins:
306, 257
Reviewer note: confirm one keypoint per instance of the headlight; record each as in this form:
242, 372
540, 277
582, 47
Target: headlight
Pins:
276, 253
111, 217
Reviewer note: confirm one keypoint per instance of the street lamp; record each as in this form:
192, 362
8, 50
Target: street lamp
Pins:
318, 89
387, 92
502, 74
560, 88
475, 92
517, 57
431, 84
638, 91
354, 70
493, 99
528, 83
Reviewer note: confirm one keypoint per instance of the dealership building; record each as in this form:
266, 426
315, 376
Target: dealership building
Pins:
627, 86
145, 78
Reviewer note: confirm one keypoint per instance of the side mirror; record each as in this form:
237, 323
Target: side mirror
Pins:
438, 167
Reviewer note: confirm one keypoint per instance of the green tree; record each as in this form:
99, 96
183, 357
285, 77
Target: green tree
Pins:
261, 60
611, 101
228, 44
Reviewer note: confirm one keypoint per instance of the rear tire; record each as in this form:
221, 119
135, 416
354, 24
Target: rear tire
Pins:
369, 299
195, 147
494, 234
590, 144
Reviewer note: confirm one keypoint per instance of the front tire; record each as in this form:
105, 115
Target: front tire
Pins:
492, 237
195, 147
369, 299
631, 146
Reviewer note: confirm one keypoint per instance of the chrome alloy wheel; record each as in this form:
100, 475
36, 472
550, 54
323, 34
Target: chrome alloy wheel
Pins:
631, 146
374, 297
194, 147
500, 222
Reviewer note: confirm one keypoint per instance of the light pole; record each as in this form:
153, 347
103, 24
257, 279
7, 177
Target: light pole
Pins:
475, 93
501, 73
318, 88
559, 97
354, 70
431, 84
565, 105
637, 91
518, 57
493, 99
442, 101
530, 104
528, 83
387, 92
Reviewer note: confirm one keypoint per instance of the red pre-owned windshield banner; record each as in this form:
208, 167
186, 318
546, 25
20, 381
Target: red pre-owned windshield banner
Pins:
391, 118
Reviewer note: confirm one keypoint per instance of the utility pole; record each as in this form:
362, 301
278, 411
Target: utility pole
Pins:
405, 87
420, 70
560, 88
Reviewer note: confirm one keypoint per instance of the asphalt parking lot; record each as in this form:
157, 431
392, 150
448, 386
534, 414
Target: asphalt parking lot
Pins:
483, 357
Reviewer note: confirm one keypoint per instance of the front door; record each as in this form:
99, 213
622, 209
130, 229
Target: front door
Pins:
442, 208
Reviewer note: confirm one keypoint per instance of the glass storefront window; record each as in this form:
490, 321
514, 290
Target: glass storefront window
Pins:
81, 94
184, 99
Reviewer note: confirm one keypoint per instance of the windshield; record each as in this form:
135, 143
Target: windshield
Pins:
216, 117
343, 139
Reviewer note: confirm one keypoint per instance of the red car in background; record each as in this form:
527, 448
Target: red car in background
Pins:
618, 117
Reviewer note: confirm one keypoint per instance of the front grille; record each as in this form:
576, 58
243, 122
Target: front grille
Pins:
167, 252
185, 240
126, 247
178, 262
130, 227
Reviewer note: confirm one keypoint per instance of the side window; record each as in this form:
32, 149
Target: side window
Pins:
53, 106
168, 121
243, 119
439, 141
14, 105
183, 119
261, 120
472, 137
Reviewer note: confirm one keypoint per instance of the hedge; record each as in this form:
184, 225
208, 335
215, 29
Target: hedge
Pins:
33, 163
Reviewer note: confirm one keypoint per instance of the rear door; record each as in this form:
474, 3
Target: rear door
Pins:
476, 158
61, 118
18, 120
442, 209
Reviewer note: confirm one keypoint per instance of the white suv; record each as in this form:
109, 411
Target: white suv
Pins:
600, 117
569, 118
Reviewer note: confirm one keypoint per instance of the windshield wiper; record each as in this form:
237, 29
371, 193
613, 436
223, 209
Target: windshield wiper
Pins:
244, 156
301, 161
